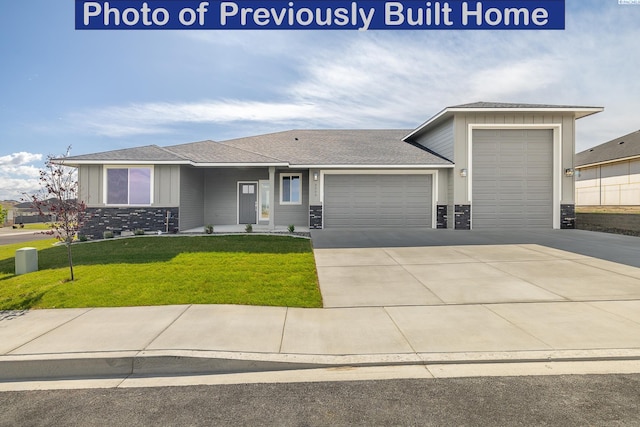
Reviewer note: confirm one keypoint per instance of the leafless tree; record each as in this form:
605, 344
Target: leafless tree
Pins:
58, 197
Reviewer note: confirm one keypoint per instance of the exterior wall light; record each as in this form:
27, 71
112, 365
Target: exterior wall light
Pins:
463, 173
315, 176
568, 172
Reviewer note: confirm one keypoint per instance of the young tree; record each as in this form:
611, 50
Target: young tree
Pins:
3, 215
58, 197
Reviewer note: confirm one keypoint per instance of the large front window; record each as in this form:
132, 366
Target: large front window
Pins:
128, 186
290, 189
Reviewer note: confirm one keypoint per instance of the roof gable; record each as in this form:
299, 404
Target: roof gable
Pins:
487, 107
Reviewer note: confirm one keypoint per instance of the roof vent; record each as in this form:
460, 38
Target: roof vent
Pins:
621, 142
295, 138
590, 149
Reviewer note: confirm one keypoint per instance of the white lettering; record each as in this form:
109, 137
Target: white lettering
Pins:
108, 10
516, 14
540, 16
393, 13
202, 9
366, 18
261, 16
466, 12
91, 9
507, 17
227, 9
493, 16
184, 20
135, 16
341, 16
165, 16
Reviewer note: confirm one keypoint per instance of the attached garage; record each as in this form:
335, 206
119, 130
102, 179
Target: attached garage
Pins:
377, 200
512, 178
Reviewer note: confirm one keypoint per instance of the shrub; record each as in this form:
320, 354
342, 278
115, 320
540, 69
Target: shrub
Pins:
208, 229
248, 228
107, 234
82, 238
291, 228
138, 232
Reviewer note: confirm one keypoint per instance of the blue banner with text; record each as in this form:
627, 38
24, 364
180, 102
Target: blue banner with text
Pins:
320, 15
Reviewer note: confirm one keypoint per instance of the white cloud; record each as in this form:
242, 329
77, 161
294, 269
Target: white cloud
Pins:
20, 158
18, 175
399, 79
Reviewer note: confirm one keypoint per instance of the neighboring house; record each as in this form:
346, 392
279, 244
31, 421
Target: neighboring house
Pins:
481, 165
609, 174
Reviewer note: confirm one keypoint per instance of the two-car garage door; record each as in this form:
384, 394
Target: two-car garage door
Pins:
512, 178
380, 200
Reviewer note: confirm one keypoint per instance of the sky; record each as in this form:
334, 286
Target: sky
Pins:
104, 90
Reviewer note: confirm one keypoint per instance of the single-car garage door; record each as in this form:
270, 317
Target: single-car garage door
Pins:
512, 172
377, 201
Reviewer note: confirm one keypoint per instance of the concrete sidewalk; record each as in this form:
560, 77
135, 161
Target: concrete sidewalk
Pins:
418, 306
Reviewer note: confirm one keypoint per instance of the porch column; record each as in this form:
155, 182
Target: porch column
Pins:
272, 197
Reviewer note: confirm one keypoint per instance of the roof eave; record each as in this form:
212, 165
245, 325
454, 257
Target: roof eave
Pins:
604, 162
578, 112
371, 166
74, 163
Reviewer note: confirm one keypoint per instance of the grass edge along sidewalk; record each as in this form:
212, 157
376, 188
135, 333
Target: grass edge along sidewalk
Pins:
164, 270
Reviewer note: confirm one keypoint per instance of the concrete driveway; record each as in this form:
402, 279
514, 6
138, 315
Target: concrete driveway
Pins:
474, 268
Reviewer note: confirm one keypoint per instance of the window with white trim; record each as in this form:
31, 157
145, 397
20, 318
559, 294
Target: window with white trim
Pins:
128, 185
290, 189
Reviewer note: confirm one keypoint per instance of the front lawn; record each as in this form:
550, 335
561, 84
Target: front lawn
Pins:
160, 270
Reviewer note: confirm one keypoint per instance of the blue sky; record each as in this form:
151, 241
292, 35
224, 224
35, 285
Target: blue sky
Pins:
106, 90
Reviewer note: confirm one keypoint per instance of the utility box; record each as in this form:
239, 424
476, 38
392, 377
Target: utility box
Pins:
26, 260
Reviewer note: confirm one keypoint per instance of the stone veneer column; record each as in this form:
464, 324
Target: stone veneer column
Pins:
463, 217
315, 217
567, 217
441, 219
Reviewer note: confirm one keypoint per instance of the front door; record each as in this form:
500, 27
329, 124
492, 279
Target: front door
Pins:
247, 202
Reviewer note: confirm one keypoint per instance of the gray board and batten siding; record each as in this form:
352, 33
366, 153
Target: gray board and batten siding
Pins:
221, 196
166, 185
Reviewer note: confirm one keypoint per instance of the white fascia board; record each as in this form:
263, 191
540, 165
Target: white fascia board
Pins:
433, 119
240, 165
371, 166
184, 162
578, 112
606, 162
122, 162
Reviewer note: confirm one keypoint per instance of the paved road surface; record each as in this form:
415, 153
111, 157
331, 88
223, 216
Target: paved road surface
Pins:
507, 401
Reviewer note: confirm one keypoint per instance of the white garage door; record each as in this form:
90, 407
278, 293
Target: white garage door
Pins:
377, 201
512, 179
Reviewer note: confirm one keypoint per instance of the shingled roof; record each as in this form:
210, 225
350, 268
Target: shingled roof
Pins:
624, 147
301, 148
339, 147
146, 154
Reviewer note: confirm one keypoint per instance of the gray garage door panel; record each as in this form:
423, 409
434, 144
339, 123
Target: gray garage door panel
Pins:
512, 179
377, 201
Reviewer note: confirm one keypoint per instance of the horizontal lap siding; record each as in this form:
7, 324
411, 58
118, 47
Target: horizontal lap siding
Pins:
377, 201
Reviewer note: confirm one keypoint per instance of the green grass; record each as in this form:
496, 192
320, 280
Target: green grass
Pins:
160, 270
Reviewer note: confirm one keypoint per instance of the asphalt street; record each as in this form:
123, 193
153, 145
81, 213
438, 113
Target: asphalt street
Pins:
572, 400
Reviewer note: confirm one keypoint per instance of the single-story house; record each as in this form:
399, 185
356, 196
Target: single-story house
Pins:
609, 174
481, 165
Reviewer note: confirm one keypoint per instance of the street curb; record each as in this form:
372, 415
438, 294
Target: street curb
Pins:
192, 362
